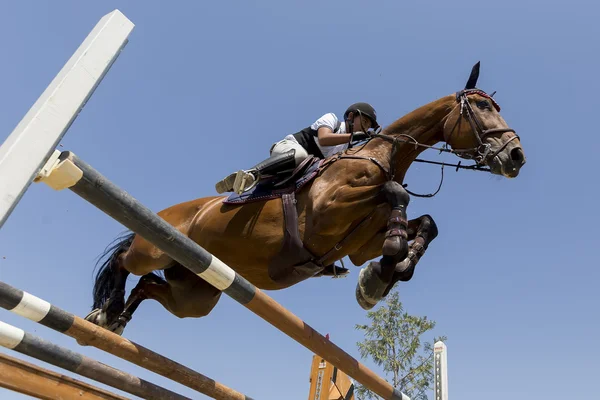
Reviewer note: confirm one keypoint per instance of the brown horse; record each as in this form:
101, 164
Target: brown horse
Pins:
355, 207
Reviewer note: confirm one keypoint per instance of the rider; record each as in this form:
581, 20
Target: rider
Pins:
325, 137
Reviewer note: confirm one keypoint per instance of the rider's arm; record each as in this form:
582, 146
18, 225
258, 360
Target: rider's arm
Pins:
328, 138
325, 127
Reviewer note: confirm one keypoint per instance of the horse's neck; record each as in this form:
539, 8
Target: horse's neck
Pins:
425, 125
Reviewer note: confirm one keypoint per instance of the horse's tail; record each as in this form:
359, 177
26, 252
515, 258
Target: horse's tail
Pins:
105, 278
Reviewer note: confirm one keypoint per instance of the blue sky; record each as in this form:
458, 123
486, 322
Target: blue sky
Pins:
204, 88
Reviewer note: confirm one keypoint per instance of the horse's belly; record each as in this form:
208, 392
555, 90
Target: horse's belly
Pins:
245, 238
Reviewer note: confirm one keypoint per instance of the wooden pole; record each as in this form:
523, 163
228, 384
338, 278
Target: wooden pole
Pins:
29, 379
25, 343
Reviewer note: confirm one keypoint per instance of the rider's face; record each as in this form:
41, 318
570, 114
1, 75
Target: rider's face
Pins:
362, 123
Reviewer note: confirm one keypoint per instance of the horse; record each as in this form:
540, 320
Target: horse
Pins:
354, 205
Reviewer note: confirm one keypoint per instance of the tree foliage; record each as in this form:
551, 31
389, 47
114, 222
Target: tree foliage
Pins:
393, 340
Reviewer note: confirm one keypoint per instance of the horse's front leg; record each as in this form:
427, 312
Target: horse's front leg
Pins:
375, 278
421, 231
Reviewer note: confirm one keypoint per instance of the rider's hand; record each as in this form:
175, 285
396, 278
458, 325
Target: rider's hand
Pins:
360, 136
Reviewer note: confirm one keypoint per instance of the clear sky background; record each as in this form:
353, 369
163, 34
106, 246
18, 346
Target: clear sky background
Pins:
204, 88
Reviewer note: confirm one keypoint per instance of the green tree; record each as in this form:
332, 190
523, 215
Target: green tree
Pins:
393, 342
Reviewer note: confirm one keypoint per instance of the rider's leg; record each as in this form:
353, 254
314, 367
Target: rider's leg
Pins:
285, 154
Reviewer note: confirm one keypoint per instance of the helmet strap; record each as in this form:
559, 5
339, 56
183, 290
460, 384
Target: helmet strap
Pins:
360, 114
350, 122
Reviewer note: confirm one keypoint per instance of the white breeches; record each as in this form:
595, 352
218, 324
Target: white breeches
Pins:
285, 145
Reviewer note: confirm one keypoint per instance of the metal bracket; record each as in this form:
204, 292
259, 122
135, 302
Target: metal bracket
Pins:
59, 174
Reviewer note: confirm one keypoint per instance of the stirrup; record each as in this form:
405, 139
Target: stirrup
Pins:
226, 184
244, 181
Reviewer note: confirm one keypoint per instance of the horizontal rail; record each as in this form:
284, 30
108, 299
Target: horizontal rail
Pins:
25, 343
38, 310
32, 380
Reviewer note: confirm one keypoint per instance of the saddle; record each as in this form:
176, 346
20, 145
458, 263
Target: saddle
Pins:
294, 262
285, 182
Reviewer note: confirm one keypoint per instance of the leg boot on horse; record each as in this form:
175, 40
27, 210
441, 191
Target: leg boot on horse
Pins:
376, 277
421, 231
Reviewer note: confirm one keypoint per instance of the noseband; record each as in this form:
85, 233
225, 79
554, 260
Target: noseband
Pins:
480, 153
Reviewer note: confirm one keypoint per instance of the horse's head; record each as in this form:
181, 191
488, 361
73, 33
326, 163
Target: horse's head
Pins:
476, 130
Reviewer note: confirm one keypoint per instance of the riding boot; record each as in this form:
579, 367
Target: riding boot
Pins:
244, 180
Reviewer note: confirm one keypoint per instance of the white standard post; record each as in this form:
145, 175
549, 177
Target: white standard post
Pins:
33, 141
440, 354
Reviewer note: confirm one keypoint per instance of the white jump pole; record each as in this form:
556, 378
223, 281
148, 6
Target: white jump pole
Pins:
440, 366
35, 138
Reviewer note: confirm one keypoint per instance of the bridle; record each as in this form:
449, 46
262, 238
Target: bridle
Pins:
479, 154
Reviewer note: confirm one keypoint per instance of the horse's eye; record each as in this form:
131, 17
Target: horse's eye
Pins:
483, 105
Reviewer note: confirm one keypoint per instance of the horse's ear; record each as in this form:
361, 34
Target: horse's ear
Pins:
472, 82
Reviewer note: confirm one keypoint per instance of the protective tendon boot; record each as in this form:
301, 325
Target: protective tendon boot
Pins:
371, 286
244, 180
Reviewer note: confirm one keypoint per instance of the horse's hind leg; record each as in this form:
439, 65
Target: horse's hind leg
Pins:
137, 295
189, 296
137, 256
132, 255
109, 288
183, 294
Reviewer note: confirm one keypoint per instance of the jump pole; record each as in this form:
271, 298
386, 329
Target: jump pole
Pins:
51, 316
68, 171
25, 343
36, 136
32, 380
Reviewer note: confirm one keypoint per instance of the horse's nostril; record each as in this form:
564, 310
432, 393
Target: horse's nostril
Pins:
516, 154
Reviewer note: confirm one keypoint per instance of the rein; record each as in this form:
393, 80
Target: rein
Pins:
478, 154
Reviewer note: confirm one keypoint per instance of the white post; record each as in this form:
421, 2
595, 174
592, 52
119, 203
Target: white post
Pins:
33, 141
440, 388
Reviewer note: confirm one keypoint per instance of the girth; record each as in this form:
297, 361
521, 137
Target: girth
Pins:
293, 263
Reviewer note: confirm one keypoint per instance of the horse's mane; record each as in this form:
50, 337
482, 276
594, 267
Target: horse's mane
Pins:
406, 123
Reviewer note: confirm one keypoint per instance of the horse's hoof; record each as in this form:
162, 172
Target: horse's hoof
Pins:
362, 301
95, 317
369, 288
117, 328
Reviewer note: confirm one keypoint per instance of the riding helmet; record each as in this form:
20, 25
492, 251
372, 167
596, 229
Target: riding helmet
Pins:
364, 108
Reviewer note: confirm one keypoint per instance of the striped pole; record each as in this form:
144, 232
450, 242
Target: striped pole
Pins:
121, 206
38, 310
32, 380
33, 346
